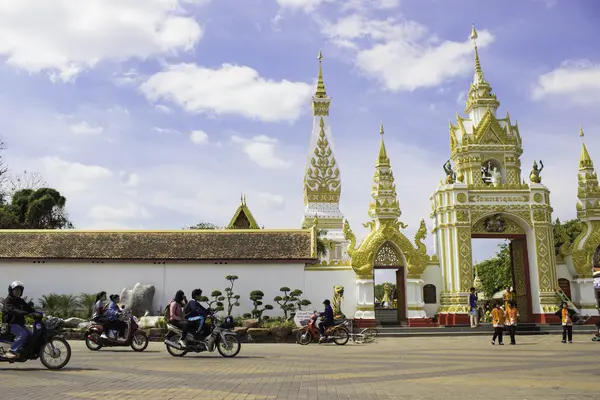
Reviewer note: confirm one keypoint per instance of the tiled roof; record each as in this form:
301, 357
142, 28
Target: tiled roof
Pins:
270, 245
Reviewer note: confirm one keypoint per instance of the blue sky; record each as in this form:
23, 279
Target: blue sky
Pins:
156, 114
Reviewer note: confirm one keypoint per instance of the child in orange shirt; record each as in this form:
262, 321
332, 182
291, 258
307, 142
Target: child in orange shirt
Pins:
511, 321
567, 323
498, 317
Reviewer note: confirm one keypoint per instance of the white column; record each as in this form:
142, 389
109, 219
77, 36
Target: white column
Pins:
586, 296
414, 298
366, 299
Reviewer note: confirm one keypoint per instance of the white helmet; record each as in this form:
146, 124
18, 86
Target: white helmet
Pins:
16, 284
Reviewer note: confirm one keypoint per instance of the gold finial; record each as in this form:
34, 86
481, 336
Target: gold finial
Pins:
478, 70
244, 201
320, 93
381, 128
585, 161
474, 35
581, 134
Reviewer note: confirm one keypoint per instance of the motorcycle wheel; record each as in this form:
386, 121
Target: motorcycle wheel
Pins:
51, 352
234, 346
91, 344
171, 350
303, 337
342, 336
139, 341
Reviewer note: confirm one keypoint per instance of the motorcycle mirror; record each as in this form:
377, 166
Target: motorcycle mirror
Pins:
31, 303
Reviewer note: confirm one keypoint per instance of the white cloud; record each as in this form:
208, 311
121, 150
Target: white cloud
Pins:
165, 130
271, 201
64, 37
362, 5
84, 128
73, 176
303, 5
261, 150
118, 212
199, 137
231, 89
402, 55
162, 108
576, 81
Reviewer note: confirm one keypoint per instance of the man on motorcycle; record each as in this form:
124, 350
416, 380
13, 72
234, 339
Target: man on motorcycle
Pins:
195, 309
327, 319
14, 312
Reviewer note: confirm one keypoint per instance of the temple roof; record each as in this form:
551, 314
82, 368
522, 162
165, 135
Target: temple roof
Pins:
243, 218
193, 245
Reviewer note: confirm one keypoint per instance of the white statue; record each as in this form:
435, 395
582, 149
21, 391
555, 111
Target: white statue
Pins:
495, 178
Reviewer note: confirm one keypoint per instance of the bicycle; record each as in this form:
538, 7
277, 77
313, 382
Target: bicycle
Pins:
366, 335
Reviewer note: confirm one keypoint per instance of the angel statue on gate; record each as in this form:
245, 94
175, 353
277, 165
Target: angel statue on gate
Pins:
534, 176
486, 175
450, 174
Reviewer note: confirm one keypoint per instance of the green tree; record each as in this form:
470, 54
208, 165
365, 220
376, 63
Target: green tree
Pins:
3, 174
35, 209
565, 232
322, 243
496, 272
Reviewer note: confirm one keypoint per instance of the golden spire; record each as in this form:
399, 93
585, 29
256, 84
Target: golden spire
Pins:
385, 203
585, 161
478, 70
320, 93
383, 159
480, 93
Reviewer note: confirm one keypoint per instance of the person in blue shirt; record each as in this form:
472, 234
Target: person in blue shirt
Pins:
326, 318
195, 309
473, 317
112, 316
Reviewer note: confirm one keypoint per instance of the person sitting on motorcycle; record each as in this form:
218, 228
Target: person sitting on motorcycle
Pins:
176, 316
195, 309
112, 316
326, 319
14, 312
99, 309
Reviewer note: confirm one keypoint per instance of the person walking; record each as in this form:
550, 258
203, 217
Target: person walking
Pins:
511, 321
473, 309
498, 324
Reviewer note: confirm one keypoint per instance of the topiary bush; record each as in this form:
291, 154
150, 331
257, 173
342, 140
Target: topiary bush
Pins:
256, 296
217, 300
230, 296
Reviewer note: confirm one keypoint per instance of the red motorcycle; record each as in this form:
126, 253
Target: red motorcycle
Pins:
137, 339
337, 333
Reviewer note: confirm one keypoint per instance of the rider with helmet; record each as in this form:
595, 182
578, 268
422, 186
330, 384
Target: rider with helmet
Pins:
112, 315
327, 319
13, 314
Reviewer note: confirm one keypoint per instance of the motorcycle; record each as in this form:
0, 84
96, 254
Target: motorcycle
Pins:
215, 333
337, 333
134, 337
45, 343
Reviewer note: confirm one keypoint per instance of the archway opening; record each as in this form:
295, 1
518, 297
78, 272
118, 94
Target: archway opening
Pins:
501, 266
390, 283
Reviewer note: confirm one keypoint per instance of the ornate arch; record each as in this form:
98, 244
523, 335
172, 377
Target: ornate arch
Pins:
415, 257
517, 224
388, 255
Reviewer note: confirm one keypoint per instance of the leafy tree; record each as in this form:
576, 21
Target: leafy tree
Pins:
256, 296
203, 225
565, 232
60, 305
230, 296
35, 209
496, 272
86, 302
25, 180
299, 301
323, 245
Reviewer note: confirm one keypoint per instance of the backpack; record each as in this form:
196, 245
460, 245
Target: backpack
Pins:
167, 313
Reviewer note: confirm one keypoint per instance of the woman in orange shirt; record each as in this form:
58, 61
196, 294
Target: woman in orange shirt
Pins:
511, 321
498, 317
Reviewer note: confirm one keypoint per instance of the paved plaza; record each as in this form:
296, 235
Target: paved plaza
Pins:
409, 368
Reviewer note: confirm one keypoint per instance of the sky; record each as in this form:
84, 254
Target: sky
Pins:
159, 114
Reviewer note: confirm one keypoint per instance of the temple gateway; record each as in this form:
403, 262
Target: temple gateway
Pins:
482, 195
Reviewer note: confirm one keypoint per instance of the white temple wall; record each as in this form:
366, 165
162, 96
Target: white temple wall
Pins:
319, 283
433, 276
64, 277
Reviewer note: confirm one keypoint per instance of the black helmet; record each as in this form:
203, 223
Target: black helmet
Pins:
14, 285
327, 302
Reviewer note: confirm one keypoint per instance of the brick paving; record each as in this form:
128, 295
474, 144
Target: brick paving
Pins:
409, 368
